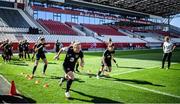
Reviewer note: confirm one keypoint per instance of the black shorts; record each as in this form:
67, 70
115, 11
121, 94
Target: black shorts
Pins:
67, 69
57, 50
108, 62
42, 56
20, 51
26, 50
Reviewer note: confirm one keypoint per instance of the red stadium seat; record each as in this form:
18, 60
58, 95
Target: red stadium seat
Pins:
54, 27
103, 29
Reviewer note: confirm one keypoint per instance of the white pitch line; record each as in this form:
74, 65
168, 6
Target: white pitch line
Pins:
130, 71
150, 90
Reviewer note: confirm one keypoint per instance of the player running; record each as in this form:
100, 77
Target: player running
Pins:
4, 54
106, 60
168, 47
40, 54
70, 46
72, 55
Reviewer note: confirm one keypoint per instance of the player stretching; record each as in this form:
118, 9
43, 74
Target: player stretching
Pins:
106, 60
168, 47
72, 55
40, 54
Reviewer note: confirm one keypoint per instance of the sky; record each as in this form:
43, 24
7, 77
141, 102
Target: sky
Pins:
176, 22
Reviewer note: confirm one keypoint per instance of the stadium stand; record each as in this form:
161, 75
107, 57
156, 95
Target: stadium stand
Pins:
54, 27
124, 41
103, 29
152, 40
13, 30
148, 34
6, 4
11, 37
86, 41
13, 18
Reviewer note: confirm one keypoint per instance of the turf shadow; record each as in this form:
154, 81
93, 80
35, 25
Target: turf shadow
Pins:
16, 99
52, 63
20, 64
87, 74
130, 67
76, 79
58, 78
95, 99
133, 81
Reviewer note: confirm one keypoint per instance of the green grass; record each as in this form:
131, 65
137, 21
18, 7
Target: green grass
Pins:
145, 65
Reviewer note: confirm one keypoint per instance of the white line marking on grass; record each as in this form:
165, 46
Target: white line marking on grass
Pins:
150, 90
130, 71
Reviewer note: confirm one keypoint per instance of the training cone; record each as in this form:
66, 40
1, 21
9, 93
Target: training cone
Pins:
46, 85
37, 82
27, 76
30, 78
12, 89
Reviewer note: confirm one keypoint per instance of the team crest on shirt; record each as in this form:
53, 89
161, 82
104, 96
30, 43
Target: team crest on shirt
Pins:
108, 56
71, 59
77, 56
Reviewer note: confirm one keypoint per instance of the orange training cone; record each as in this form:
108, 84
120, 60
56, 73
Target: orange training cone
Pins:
46, 85
37, 82
12, 89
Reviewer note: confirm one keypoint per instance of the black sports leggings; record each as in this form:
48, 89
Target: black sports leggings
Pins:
167, 55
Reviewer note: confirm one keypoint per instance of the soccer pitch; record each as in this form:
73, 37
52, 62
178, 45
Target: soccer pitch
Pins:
138, 79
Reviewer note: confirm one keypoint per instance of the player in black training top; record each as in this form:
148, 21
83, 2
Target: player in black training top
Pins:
40, 54
110, 43
58, 45
4, 49
10, 50
70, 46
34, 47
20, 47
72, 55
26, 49
106, 60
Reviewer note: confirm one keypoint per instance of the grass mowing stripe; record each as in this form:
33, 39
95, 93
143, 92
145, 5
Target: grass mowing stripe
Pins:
150, 90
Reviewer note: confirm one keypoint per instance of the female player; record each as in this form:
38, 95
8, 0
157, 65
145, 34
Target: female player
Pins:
40, 54
168, 47
106, 60
72, 55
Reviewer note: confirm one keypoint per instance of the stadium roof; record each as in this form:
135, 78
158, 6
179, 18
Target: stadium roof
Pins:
162, 8
137, 8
